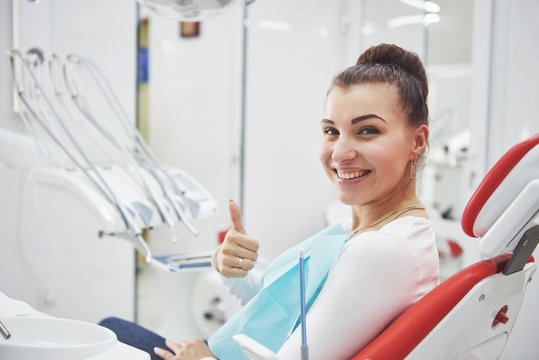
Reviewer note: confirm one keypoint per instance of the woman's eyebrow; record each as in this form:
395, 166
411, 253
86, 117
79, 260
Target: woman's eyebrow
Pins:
365, 117
356, 120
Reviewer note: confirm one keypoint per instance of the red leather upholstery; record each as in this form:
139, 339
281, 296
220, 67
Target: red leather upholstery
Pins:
492, 180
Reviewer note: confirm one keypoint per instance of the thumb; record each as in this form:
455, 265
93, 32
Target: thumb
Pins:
235, 216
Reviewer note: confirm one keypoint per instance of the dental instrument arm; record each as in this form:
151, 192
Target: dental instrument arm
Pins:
100, 184
140, 148
134, 170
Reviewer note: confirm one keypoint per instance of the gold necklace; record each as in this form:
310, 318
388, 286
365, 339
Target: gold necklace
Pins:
398, 213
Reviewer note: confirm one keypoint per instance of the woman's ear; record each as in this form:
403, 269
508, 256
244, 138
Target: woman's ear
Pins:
421, 136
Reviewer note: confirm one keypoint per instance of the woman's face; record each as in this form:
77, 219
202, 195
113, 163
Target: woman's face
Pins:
367, 143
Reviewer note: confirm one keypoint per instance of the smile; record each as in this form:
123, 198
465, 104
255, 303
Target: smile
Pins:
348, 175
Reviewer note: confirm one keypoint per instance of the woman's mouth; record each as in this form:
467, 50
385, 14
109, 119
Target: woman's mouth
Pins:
343, 175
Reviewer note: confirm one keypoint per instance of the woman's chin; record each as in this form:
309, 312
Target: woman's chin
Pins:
347, 200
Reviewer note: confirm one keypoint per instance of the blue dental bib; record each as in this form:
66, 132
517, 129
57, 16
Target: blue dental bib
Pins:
272, 315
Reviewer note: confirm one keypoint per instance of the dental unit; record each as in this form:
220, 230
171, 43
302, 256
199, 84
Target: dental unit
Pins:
115, 145
135, 146
80, 161
99, 149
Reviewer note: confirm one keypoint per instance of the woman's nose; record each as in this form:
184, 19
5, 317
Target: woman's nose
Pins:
343, 150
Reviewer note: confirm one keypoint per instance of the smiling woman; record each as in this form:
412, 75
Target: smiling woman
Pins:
362, 275
375, 128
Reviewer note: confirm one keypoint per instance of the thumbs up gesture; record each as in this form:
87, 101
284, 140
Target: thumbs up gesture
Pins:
238, 252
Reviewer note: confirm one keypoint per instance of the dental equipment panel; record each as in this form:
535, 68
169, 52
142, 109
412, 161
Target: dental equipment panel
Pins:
184, 261
99, 173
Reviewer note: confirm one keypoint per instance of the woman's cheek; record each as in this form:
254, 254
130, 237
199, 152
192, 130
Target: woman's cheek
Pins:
324, 153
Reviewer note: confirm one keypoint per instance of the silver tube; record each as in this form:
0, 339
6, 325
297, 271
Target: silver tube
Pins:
304, 352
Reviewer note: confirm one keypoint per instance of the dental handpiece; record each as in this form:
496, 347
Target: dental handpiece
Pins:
4, 331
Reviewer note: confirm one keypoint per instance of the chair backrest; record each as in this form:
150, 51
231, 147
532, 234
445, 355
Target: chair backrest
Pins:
440, 323
505, 204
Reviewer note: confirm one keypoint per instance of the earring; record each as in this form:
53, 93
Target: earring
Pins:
412, 169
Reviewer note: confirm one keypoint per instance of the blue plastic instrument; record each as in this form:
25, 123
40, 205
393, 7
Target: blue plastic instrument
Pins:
304, 347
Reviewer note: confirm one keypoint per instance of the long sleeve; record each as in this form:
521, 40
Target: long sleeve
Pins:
244, 288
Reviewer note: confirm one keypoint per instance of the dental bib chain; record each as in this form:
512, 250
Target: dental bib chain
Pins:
397, 213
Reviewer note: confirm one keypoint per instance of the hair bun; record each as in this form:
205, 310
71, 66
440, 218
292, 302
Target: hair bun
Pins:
393, 55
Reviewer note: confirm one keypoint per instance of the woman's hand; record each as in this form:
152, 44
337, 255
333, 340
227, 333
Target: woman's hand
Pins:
184, 350
238, 252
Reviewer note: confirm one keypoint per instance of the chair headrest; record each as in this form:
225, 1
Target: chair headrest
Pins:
518, 167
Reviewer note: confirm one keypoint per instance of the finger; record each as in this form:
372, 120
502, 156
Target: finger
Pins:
247, 264
163, 354
234, 237
233, 262
183, 343
237, 251
174, 346
235, 217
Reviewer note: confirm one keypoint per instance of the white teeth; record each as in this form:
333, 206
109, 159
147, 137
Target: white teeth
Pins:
353, 175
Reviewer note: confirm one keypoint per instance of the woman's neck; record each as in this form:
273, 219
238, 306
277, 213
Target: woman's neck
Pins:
366, 214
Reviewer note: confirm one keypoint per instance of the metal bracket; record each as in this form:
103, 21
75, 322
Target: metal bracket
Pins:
523, 251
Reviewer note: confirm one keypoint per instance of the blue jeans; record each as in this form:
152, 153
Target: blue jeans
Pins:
135, 335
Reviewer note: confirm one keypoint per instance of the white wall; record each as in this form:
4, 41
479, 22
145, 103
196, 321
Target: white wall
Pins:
61, 270
514, 84
514, 113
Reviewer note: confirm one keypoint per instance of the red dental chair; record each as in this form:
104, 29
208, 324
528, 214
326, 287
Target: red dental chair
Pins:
471, 314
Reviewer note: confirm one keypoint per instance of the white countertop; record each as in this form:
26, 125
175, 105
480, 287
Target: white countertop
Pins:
10, 307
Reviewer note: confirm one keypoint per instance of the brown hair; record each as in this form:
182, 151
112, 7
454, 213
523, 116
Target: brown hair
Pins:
393, 65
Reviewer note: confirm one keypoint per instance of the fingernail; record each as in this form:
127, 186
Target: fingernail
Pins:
230, 200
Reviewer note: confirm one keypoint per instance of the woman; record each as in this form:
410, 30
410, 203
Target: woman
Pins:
375, 131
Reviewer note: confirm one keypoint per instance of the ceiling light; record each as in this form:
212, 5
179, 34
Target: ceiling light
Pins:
426, 19
431, 19
428, 6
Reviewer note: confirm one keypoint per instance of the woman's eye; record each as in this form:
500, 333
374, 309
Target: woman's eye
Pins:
330, 131
368, 131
